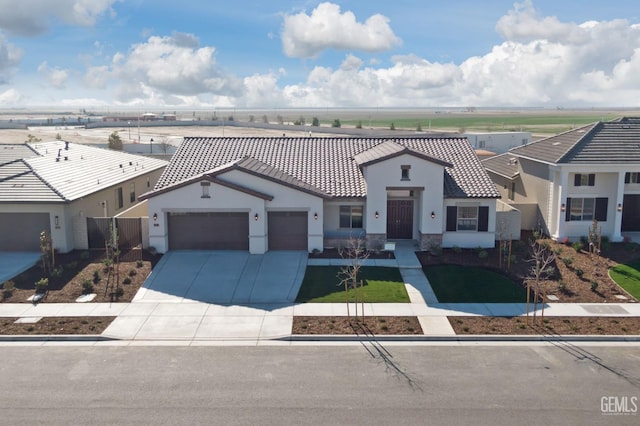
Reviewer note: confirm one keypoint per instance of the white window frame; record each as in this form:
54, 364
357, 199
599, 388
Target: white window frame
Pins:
353, 213
467, 218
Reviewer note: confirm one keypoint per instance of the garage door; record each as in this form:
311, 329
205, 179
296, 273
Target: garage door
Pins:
21, 231
288, 230
208, 231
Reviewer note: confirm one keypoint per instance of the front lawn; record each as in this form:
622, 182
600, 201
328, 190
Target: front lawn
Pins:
627, 276
382, 285
466, 284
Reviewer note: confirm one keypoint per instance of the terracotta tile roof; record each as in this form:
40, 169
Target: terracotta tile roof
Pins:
599, 143
389, 149
329, 165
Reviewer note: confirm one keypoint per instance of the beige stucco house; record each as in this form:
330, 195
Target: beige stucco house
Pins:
308, 193
55, 186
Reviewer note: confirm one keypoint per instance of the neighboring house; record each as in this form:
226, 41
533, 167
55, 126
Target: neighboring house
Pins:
498, 142
54, 186
569, 180
260, 194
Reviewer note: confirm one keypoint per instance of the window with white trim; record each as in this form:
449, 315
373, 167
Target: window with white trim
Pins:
205, 189
632, 177
351, 217
132, 192
467, 218
587, 209
583, 179
405, 172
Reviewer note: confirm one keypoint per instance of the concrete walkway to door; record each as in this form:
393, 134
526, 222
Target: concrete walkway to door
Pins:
225, 277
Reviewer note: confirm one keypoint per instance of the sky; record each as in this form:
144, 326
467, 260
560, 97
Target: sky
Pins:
315, 54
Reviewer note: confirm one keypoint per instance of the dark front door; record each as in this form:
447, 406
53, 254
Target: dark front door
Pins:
631, 213
400, 219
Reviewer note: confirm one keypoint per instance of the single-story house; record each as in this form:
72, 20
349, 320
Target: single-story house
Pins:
568, 180
309, 193
55, 186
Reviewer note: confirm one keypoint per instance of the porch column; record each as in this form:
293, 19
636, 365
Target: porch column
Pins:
617, 237
557, 215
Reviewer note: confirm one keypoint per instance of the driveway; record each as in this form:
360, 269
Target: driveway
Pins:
225, 277
14, 263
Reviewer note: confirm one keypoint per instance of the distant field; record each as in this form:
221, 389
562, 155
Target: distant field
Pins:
534, 123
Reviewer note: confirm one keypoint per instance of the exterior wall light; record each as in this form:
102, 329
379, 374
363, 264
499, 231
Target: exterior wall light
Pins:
255, 217
563, 207
619, 207
315, 216
433, 215
377, 215
57, 221
155, 217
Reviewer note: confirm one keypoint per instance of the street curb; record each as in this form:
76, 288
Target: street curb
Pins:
462, 338
55, 338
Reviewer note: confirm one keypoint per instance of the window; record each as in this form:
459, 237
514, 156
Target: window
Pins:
148, 183
132, 192
205, 189
586, 209
632, 177
512, 190
405, 172
119, 199
467, 218
350, 216
582, 179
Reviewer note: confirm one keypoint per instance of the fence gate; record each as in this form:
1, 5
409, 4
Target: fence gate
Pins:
98, 231
129, 232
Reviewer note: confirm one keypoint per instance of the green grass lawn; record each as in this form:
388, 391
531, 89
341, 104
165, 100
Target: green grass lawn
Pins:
628, 277
462, 284
382, 285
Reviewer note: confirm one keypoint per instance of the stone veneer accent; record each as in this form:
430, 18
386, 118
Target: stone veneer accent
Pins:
427, 241
376, 241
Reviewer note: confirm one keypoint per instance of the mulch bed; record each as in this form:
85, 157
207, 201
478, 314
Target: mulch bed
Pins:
56, 326
334, 253
344, 325
548, 325
566, 284
78, 266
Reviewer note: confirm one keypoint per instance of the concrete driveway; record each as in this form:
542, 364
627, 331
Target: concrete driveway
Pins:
225, 277
14, 263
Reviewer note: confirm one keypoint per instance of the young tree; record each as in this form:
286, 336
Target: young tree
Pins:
356, 254
542, 258
336, 123
315, 122
163, 144
115, 142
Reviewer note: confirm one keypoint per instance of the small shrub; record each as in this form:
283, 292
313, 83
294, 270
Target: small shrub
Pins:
435, 250
119, 292
107, 263
557, 250
457, 249
7, 289
562, 286
594, 285
465, 328
139, 264
483, 254
522, 326
577, 246
72, 265
567, 260
579, 272
384, 328
96, 276
42, 285
605, 243
133, 273
85, 255
87, 286
57, 272
126, 280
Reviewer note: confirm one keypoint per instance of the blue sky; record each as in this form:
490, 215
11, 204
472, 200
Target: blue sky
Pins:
257, 54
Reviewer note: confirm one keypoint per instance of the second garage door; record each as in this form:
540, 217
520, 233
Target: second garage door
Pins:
209, 231
21, 231
288, 230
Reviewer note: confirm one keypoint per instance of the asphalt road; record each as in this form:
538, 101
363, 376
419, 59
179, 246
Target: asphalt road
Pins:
351, 385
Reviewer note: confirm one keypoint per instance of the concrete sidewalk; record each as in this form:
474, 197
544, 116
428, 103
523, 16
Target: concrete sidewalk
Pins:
154, 317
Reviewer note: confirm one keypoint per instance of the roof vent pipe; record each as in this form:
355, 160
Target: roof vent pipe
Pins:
59, 151
66, 145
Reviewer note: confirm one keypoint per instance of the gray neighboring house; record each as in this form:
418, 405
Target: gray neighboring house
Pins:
309, 193
564, 182
55, 186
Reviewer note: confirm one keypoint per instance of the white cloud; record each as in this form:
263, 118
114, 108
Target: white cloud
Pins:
306, 36
173, 65
10, 97
9, 57
33, 17
97, 77
56, 77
